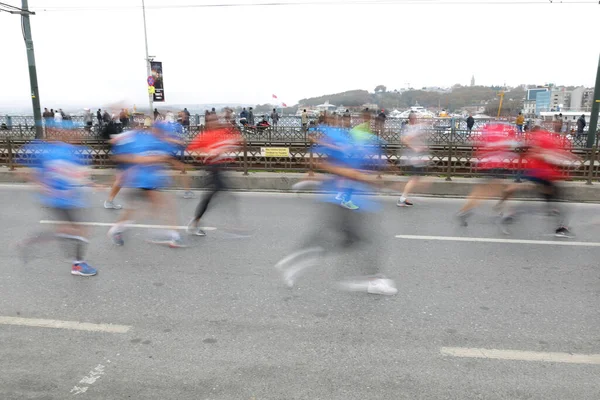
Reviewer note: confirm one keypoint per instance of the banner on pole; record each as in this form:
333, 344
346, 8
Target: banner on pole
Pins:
157, 74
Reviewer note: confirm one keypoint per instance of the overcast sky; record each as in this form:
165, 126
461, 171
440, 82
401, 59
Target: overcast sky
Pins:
90, 52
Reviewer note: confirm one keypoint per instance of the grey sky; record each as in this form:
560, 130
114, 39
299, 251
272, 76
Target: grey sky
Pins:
246, 54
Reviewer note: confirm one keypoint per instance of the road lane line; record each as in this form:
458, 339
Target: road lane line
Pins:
517, 355
181, 227
72, 325
494, 240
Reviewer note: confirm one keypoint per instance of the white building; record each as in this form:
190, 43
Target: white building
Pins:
529, 108
560, 98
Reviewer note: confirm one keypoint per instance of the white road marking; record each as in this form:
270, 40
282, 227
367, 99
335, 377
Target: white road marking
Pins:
566, 242
179, 227
517, 355
72, 325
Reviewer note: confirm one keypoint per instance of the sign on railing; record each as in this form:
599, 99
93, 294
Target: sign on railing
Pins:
275, 151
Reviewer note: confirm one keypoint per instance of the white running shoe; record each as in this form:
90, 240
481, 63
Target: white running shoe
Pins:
340, 196
112, 205
194, 230
188, 194
382, 286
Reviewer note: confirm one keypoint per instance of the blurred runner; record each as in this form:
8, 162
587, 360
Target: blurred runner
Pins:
336, 143
546, 153
59, 170
215, 144
417, 159
146, 156
172, 134
497, 149
350, 230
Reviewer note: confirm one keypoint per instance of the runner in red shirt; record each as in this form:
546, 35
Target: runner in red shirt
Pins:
216, 145
545, 153
496, 154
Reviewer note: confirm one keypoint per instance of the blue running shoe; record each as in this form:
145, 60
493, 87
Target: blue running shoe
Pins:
83, 269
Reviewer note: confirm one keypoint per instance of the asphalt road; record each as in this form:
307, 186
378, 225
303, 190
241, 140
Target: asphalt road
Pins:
214, 321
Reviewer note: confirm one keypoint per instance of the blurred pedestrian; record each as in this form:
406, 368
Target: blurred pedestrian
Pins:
519, 122
470, 124
581, 124
87, 119
275, 118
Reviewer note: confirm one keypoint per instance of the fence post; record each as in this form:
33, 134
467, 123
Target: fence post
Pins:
245, 146
591, 167
11, 166
380, 161
449, 172
310, 160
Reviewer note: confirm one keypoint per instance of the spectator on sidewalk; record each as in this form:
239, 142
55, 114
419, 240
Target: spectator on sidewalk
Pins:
99, 117
58, 118
581, 124
156, 114
412, 118
123, 118
347, 119
520, 121
87, 119
275, 118
558, 123
185, 118
106, 118
304, 120
250, 117
381, 117
470, 123
47, 117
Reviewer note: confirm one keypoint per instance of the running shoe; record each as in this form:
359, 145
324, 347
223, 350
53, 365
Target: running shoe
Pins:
292, 266
194, 230
111, 205
117, 238
563, 232
372, 286
349, 205
404, 203
462, 217
382, 286
188, 194
177, 243
83, 269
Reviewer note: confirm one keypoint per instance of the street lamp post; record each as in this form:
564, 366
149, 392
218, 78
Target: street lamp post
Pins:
591, 139
35, 94
148, 59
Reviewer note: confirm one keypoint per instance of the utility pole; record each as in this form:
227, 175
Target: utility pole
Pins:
591, 139
35, 93
148, 60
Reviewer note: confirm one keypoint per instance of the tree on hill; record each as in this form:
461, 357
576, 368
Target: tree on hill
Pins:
351, 98
380, 89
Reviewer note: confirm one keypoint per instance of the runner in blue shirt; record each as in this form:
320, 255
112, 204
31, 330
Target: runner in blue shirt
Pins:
60, 172
351, 229
146, 156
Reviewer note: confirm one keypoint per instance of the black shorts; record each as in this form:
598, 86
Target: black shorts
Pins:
539, 181
497, 173
67, 214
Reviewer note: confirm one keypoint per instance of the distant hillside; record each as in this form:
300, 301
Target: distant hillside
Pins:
457, 98
351, 98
